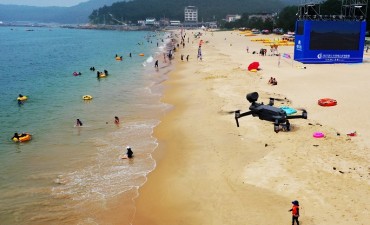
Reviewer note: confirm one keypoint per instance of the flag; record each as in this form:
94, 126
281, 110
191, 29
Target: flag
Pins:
286, 55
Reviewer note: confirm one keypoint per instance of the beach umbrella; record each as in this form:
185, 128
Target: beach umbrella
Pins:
253, 66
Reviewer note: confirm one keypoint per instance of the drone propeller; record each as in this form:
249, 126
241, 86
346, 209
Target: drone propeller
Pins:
302, 109
280, 99
227, 112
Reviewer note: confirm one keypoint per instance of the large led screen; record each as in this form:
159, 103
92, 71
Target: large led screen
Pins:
334, 35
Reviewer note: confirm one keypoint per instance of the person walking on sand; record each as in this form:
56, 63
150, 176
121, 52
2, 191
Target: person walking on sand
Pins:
187, 58
156, 64
129, 153
295, 212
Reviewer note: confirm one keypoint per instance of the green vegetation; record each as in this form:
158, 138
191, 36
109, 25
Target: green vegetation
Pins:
209, 10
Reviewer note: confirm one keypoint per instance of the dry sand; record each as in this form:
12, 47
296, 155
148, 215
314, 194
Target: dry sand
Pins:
211, 172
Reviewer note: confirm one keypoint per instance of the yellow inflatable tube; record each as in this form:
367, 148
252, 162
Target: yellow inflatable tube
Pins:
24, 98
87, 97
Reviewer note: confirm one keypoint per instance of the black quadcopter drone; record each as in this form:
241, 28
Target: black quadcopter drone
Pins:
268, 112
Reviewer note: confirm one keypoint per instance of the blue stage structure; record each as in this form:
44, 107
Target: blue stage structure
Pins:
330, 39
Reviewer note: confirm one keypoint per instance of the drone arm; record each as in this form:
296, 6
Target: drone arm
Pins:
294, 117
304, 116
238, 115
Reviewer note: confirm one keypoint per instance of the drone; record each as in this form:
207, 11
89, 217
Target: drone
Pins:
268, 112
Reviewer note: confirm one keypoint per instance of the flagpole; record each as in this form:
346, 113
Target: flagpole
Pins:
292, 61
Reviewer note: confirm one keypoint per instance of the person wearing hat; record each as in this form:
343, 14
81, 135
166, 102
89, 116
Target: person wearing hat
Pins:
295, 211
129, 153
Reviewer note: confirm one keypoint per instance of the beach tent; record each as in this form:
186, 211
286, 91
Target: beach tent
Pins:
253, 66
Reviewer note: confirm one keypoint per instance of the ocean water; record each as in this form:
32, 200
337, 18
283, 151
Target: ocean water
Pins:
64, 169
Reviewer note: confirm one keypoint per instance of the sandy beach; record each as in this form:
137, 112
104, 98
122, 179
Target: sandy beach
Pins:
211, 172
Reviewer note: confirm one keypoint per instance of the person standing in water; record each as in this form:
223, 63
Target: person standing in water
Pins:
129, 153
78, 123
116, 120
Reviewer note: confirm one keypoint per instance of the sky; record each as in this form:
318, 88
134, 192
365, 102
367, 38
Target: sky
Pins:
42, 2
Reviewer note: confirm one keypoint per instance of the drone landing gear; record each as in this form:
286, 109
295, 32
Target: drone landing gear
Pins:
284, 126
276, 127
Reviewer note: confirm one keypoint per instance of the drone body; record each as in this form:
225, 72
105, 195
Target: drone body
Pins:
268, 112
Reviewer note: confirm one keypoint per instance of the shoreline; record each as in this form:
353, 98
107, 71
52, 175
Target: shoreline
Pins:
210, 172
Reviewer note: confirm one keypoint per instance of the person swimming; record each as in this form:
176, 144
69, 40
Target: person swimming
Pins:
16, 135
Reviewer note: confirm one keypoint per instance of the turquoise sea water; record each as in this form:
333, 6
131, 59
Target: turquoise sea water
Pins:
63, 168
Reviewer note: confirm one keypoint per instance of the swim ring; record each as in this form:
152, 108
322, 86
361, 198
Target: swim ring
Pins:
327, 102
288, 110
318, 135
76, 74
118, 58
102, 75
25, 138
141, 54
24, 98
253, 70
87, 97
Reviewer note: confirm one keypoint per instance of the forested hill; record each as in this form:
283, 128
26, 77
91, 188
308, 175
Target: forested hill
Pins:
209, 10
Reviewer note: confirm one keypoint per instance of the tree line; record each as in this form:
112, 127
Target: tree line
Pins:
287, 17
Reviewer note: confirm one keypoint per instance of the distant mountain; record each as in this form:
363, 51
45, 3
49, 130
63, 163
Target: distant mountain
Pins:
291, 2
65, 15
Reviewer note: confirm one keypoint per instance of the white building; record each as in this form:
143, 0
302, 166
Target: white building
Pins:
232, 18
175, 23
150, 21
191, 14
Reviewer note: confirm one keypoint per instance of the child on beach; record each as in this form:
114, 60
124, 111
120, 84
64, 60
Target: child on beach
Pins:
295, 212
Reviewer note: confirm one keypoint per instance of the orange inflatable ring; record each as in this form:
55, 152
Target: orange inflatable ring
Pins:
327, 102
27, 137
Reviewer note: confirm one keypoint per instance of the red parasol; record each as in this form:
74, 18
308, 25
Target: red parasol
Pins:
253, 66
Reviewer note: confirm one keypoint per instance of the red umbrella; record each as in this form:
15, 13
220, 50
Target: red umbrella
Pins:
253, 66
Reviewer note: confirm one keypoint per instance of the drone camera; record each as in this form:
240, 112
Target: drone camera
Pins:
252, 97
